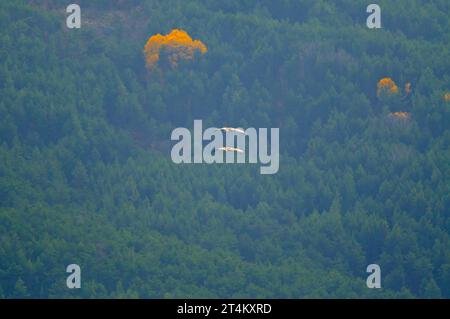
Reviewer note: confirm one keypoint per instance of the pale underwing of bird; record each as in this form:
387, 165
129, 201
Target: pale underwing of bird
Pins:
230, 149
231, 129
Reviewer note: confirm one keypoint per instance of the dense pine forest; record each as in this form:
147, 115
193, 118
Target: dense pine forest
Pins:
86, 175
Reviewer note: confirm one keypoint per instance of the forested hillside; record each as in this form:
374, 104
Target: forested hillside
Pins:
86, 175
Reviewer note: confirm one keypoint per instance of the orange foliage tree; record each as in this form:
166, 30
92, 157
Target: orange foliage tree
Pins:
386, 85
179, 45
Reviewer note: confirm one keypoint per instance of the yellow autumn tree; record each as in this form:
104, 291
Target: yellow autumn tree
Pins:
179, 45
400, 115
387, 86
447, 97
